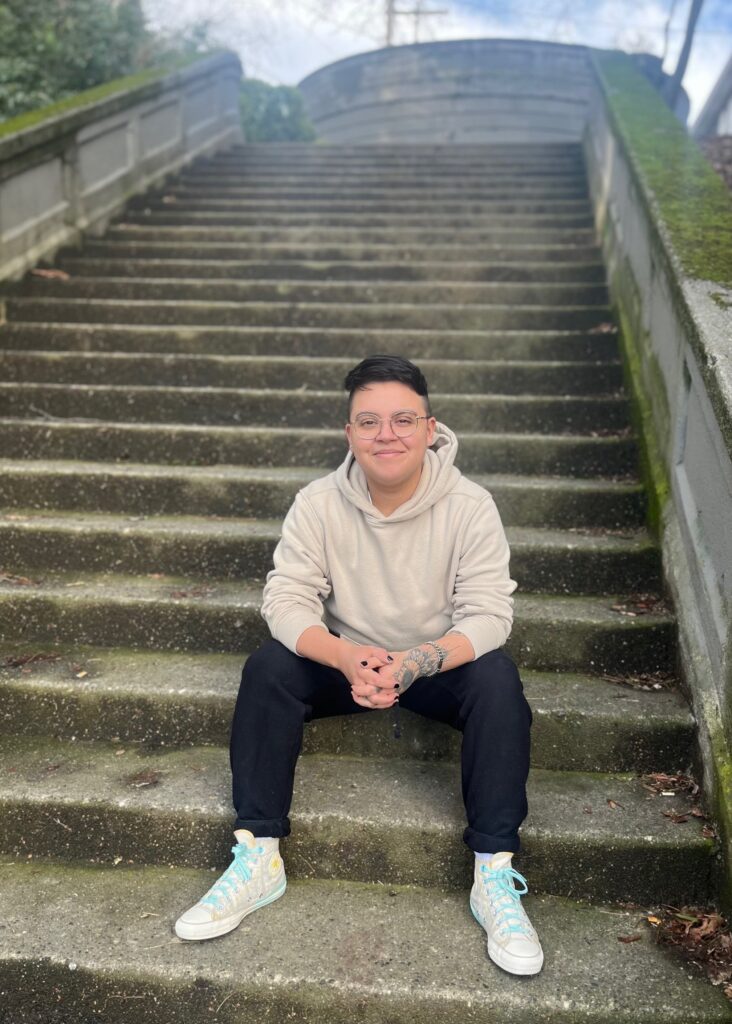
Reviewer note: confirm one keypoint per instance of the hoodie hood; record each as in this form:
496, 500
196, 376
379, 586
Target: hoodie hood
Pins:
439, 475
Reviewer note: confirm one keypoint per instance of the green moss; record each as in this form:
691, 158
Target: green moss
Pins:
653, 466
721, 806
99, 92
693, 201
721, 300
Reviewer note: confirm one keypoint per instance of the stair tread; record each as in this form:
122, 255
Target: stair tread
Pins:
203, 678
380, 793
411, 954
114, 588
296, 392
297, 475
235, 527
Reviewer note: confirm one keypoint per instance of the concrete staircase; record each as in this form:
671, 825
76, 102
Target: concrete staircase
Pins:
160, 409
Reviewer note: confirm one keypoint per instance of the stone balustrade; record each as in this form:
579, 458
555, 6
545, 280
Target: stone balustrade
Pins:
72, 171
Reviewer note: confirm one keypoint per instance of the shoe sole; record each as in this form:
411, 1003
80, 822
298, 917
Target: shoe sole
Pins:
524, 967
224, 925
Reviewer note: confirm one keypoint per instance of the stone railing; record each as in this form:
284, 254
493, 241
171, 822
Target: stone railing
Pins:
73, 169
665, 222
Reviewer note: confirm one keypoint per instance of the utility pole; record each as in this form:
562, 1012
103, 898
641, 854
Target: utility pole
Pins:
390, 12
417, 12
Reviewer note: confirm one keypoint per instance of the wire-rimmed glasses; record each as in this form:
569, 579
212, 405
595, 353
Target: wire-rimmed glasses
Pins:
403, 424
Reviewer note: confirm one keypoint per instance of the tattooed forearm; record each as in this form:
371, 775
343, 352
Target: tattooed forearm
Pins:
417, 662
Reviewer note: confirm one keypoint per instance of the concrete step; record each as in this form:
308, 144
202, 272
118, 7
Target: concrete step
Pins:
312, 409
118, 246
423, 315
393, 222
324, 270
581, 723
585, 634
347, 293
383, 952
450, 376
320, 235
392, 187
411, 204
549, 561
145, 490
416, 182
356, 819
186, 445
324, 342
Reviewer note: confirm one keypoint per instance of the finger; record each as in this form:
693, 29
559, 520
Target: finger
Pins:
364, 702
372, 661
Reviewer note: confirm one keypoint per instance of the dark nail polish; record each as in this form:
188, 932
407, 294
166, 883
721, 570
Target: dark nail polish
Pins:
396, 686
364, 663
389, 657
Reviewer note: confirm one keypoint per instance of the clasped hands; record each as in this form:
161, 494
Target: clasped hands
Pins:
378, 676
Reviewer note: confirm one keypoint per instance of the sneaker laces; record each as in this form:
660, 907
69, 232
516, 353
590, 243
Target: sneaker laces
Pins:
237, 874
506, 898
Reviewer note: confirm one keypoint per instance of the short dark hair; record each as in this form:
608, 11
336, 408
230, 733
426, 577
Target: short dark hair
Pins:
384, 368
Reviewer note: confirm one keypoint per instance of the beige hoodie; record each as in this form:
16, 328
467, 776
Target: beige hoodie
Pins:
437, 564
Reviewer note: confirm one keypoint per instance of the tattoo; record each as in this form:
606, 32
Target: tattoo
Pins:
417, 662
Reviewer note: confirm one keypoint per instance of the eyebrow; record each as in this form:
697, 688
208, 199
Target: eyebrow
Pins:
367, 412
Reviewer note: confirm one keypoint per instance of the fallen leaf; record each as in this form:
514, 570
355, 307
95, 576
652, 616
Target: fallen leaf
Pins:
81, 675
708, 832
18, 581
117, 860
614, 805
604, 328
146, 777
52, 275
675, 816
629, 938
18, 661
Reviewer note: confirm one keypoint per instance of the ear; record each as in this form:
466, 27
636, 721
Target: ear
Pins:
431, 430
347, 429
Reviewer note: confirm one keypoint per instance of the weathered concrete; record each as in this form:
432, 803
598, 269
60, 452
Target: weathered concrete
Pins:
75, 170
157, 490
549, 455
327, 951
551, 632
581, 723
666, 226
310, 341
320, 270
592, 831
311, 314
551, 562
466, 377
367, 819
313, 409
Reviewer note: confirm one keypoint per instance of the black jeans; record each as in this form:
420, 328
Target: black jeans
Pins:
484, 699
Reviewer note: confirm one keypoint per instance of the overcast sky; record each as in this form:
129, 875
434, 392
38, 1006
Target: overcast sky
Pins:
282, 41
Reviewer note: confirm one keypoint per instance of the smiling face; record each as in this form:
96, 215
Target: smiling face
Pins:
392, 464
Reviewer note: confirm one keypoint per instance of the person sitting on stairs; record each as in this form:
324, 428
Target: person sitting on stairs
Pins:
390, 588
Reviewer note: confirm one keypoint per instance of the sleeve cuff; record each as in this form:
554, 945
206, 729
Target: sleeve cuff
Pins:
484, 633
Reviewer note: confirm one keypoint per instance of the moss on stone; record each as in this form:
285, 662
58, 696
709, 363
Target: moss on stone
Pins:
100, 92
694, 204
653, 466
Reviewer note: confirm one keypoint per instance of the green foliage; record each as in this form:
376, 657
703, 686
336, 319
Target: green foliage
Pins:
50, 49
273, 113
693, 201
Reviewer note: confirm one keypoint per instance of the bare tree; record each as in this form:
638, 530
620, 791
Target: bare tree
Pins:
673, 86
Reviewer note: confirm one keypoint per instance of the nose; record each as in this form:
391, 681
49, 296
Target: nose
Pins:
386, 431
